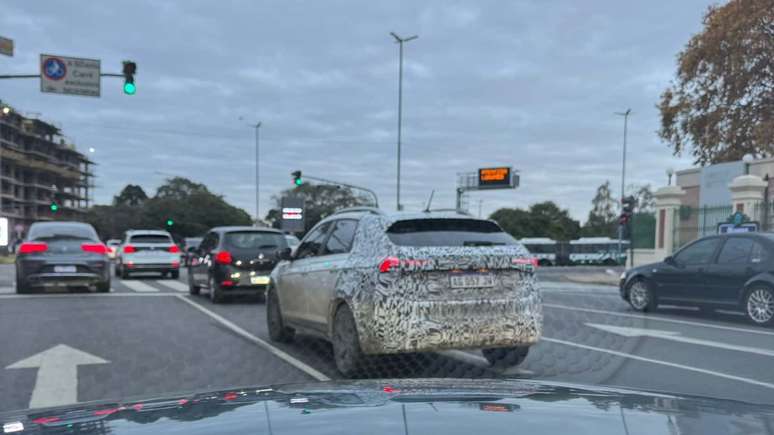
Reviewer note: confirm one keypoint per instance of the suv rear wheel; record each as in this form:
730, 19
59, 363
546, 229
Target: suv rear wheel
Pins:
346, 343
506, 356
103, 286
192, 287
277, 329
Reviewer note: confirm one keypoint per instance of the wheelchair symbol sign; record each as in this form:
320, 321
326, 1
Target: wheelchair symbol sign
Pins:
54, 68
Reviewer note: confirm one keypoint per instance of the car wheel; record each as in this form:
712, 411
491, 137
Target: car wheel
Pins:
117, 270
640, 296
277, 329
759, 305
506, 356
21, 287
175, 274
346, 344
103, 287
193, 289
216, 294
124, 273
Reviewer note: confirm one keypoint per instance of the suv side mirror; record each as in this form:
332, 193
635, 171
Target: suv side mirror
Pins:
284, 254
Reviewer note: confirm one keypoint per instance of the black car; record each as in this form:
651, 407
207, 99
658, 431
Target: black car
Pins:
731, 271
235, 261
57, 254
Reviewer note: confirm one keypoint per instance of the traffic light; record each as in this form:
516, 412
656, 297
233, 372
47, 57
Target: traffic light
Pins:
297, 180
170, 222
54, 207
627, 209
130, 68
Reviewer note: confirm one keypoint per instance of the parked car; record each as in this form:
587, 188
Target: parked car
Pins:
57, 254
373, 283
235, 261
113, 245
190, 244
148, 251
731, 271
293, 242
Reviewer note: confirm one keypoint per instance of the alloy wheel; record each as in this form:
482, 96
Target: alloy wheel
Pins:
639, 295
760, 305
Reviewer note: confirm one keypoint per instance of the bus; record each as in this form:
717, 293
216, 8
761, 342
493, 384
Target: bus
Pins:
597, 250
542, 248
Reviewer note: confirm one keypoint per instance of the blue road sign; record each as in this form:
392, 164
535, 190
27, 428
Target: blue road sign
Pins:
54, 68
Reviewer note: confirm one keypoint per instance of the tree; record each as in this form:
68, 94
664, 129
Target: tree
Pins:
543, 219
179, 188
645, 202
132, 195
320, 200
602, 219
723, 102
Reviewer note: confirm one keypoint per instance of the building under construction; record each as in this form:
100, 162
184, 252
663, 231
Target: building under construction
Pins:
42, 176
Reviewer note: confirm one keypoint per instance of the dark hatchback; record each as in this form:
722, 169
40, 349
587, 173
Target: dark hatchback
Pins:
62, 254
731, 271
234, 261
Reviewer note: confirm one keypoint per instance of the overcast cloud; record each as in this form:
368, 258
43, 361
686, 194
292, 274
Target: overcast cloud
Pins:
528, 84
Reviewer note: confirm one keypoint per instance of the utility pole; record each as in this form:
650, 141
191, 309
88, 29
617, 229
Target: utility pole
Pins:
623, 175
400, 42
257, 174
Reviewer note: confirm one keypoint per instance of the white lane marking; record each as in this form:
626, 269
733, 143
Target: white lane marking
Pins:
139, 286
5, 290
663, 363
82, 295
675, 336
264, 344
57, 380
174, 285
659, 319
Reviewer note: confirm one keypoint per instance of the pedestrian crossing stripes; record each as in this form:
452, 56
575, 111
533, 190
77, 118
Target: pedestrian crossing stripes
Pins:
7, 290
139, 286
174, 285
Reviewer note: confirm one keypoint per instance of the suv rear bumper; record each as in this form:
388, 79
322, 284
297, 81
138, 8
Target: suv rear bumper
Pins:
63, 279
443, 325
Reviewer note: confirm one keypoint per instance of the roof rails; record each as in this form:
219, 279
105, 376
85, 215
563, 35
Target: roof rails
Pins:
452, 210
372, 210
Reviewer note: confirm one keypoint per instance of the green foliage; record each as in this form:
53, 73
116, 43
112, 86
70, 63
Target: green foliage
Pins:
602, 221
320, 200
643, 230
543, 219
191, 206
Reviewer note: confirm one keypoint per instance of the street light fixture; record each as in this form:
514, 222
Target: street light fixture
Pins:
669, 173
400, 42
6, 110
747, 159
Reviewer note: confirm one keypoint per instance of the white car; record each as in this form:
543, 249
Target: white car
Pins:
148, 251
113, 245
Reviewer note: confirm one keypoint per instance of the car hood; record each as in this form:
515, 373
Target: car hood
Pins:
406, 406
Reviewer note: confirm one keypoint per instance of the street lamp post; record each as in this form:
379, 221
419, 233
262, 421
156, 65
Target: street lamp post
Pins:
400, 42
257, 174
623, 173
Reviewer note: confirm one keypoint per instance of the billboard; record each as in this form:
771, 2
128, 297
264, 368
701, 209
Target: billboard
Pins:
494, 178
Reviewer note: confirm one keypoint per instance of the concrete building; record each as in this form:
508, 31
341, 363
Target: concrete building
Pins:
38, 167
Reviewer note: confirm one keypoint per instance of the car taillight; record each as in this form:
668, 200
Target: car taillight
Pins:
95, 248
129, 249
532, 261
223, 257
174, 249
388, 264
32, 247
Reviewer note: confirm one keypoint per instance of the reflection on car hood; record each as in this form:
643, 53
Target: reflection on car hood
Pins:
407, 406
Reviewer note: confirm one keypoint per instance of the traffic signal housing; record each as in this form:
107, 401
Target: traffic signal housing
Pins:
297, 180
54, 207
170, 222
130, 68
627, 209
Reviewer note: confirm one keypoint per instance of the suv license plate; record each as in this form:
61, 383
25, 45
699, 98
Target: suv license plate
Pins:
64, 269
256, 280
472, 280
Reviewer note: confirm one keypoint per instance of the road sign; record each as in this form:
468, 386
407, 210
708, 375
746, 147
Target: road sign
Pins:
494, 178
6, 46
3, 231
292, 219
69, 75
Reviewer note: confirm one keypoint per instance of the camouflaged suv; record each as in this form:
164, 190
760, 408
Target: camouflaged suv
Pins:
375, 283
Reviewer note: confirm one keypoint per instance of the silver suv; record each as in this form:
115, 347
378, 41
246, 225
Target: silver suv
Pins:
148, 251
373, 283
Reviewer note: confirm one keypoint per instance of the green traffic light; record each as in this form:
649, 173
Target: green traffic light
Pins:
299, 182
170, 222
129, 88
54, 207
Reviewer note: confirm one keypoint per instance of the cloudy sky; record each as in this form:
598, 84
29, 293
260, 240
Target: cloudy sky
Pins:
528, 84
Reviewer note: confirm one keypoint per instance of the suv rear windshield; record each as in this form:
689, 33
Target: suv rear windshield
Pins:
62, 231
448, 232
255, 240
150, 238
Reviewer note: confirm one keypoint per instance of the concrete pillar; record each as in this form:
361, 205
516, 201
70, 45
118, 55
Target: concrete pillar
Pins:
668, 202
746, 193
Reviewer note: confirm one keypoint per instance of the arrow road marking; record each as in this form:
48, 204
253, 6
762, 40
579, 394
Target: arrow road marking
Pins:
675, 336
57, 380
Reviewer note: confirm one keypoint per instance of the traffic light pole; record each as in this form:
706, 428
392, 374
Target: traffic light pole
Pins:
37, 76
351, 186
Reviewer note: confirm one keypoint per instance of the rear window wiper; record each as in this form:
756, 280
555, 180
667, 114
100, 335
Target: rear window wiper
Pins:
481, 243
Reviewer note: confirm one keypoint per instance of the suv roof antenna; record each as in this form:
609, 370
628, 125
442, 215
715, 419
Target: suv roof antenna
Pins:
429, 201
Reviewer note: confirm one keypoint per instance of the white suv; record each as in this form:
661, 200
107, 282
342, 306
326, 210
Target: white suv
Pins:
148, 251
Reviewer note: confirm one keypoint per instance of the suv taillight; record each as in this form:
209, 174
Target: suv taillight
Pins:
389, 264
95, 248
174, 249
32, 247
223, 257
129, 249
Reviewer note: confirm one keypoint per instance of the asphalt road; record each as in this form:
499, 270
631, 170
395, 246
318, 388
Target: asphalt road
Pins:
149, 337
